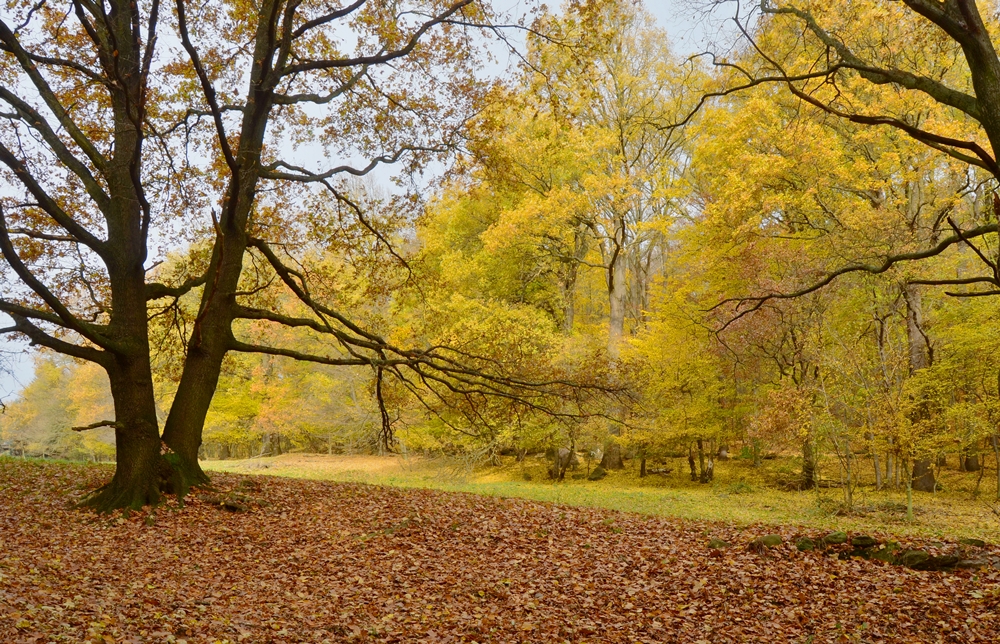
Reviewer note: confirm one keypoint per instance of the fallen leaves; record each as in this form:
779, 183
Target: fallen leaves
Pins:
317, 561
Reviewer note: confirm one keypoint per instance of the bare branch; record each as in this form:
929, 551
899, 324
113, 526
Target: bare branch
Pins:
757, 302
382, 57
98, 424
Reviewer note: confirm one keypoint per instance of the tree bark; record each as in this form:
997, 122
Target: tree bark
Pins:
923, 476
612, 459
921, 356
211, 336
615, 270
808, 465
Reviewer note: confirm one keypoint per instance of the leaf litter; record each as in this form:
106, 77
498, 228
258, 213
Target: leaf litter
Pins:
315, 561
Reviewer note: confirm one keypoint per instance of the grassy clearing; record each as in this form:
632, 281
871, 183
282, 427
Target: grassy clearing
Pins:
740, 494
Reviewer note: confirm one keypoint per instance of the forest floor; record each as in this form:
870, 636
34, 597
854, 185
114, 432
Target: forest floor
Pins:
740, 493
322, 561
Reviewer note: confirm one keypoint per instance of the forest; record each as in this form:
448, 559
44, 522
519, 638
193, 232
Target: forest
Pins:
613, 250
639, 342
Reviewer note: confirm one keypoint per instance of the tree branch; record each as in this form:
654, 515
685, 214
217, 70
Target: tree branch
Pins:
98, 424
757, 302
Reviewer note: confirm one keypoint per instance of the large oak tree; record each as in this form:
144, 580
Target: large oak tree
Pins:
135, 128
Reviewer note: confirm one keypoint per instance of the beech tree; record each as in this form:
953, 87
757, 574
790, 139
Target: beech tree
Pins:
134, 128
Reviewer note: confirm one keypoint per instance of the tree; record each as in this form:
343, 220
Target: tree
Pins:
116, 143
853, 62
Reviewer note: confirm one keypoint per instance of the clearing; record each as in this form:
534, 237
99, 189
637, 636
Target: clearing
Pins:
315, 561
741, 494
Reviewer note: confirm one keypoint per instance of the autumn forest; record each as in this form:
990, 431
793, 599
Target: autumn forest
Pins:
689, 345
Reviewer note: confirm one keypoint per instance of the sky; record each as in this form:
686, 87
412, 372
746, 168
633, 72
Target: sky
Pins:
688, 31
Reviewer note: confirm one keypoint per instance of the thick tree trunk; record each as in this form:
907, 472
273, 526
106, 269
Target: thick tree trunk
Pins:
612, 459
140, 470
211, 336
694, 472
923, 476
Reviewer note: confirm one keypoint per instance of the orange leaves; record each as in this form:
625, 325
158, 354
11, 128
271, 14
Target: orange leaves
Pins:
316, 561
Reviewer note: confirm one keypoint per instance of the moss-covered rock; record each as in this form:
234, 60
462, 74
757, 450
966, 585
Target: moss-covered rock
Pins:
804, 544
718, 544
912, 558
835, 538
863, 542
598, 474
945, 562
886, 554
976, 543
770, 540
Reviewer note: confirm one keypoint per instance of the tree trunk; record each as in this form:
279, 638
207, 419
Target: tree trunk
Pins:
921, 357
139, 467
972, 463
704, 473
612, 459
995, 440
808, 465
923, 476
616, 292
694, 472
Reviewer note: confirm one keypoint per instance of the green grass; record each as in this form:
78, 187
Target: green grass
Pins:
740, 494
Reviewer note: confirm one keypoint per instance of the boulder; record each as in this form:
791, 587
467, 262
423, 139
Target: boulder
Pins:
887, 555
977, 543
970, 564
770, 540
912, 558
943, 562
598, 474
863, 542
718, 544
835, 538
804, 544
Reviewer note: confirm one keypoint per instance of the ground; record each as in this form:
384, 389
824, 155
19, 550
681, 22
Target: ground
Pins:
740, 494
314, 561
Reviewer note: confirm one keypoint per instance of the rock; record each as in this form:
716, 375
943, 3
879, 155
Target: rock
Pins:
936, 563
887, 555
770, 540
912, 558
967, 541
598, 474
805, 544
863, 541
863, 553
226, 503
718, 544
970, 564
835, 538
